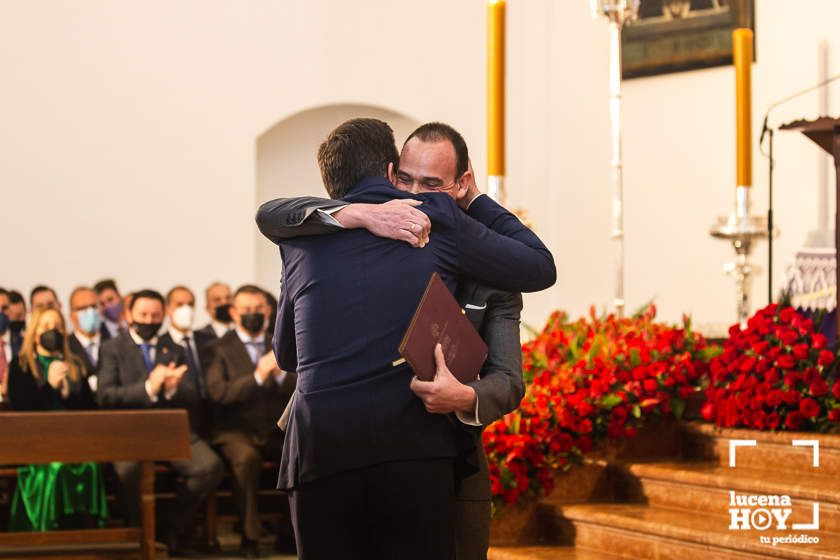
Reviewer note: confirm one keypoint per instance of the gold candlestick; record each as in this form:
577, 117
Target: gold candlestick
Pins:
496, 100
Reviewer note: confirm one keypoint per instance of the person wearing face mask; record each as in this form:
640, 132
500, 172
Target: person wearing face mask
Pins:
111, 304
17, 319
138, 369
180, 310
47, 376
247, 390
218, 298
86, 340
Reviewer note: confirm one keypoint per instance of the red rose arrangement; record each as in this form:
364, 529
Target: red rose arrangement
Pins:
773, 375
586, 382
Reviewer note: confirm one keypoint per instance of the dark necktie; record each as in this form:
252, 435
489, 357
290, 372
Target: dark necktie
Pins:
147, 356
259, 350
193, 367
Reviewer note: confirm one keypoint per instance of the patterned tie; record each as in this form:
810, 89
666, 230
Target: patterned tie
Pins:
192, 365
147, 356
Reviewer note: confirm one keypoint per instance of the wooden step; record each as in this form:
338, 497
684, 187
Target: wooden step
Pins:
657, 533
546, 553
702, 486
773, 450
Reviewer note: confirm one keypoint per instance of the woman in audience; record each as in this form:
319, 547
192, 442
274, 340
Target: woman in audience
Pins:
47, 376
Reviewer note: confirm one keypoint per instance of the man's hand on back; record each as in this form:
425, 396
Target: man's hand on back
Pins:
396, 219
444, 394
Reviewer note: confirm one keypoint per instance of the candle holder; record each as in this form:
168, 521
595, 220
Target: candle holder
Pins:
618, 13
742, 230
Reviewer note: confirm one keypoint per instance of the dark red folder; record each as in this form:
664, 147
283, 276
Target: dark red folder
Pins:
439, 319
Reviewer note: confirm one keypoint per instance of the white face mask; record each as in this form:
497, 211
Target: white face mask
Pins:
183, 317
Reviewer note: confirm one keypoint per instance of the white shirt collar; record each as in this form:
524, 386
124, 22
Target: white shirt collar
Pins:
7, 336
87, 340
138, 341
178, 336
220, 328
246, 337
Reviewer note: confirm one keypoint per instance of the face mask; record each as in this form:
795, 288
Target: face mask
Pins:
222, 313
4, 323
253, 322
147, 331
89, 320
114, 312
17, 326
183, 317
52, 340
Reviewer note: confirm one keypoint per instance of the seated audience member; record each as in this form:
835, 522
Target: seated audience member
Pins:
43, 297
5, 342
112, 308
139, 370
180, 310
218, 301
47, 376
17, 319
86, 340
248, 390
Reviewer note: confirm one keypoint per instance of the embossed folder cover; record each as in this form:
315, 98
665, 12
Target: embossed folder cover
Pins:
439, 318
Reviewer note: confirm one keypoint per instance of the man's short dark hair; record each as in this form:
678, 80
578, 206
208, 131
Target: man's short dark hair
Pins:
38, 289
251, 290
4, 292
105, 284
16, 297
440, 132
356, 149
147, 294
175, 289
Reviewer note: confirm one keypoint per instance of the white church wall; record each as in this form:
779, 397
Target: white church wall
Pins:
130, 137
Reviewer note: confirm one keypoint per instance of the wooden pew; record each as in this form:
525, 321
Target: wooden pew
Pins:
102, 436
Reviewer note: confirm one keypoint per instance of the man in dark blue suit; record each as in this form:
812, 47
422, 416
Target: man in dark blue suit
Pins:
370, 471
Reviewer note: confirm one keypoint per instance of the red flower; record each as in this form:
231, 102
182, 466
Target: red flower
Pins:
787, 314
708, 411
826, 358
819, 341
801, 351
819, 387
788, 336
794, 420
834, 414
809, 408
786, 361
836, 390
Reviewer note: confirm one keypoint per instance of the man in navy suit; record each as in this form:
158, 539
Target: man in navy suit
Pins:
370, 471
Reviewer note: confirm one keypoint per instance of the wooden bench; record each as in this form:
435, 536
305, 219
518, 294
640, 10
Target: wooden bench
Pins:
104, 436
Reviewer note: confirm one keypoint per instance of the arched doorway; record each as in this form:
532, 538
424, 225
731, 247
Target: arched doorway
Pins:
286, 165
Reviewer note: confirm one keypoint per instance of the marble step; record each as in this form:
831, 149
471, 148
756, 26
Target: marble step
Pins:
546, 553
657, 533
773, 450
703, 486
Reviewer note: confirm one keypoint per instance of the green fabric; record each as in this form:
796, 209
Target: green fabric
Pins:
55, 496
44, 363
52, 496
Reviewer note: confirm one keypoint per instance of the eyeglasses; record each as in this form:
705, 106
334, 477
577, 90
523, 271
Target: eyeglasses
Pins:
426, 183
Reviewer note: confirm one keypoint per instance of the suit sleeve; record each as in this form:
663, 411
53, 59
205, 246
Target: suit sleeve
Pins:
284, 218
500, 388
496, 249
220, 388
284, 342
110, 393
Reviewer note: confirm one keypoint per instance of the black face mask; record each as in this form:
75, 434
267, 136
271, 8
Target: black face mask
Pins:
17, 326
222, 313
147, 331
52, 340
4, 323
253, 322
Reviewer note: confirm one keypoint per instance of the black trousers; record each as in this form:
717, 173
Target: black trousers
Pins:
393, 511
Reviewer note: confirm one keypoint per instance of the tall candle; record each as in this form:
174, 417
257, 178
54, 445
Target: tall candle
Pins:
496, 88
742, 54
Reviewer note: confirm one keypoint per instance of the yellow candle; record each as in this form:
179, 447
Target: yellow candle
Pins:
496, 87
742, 45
